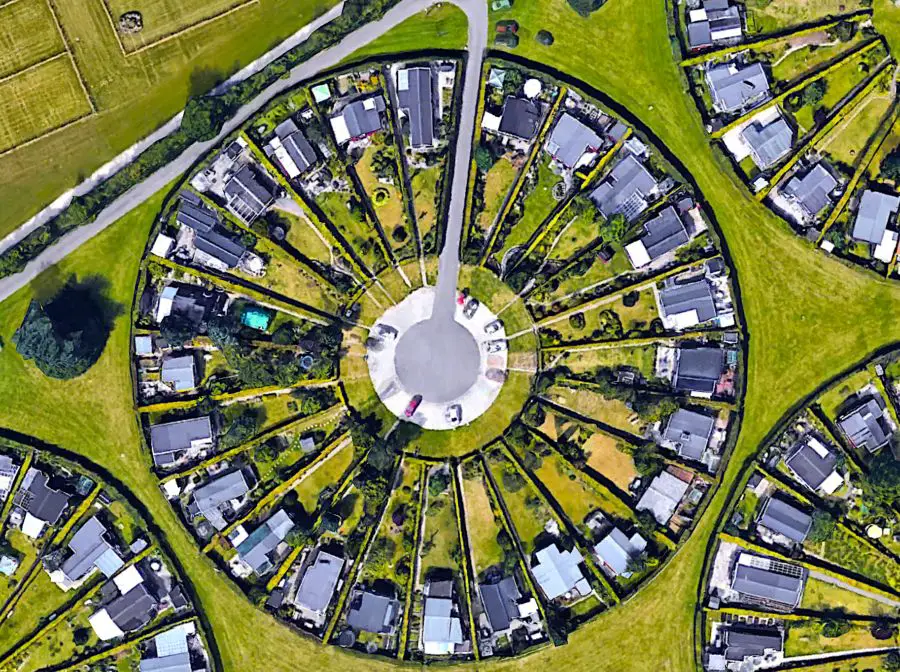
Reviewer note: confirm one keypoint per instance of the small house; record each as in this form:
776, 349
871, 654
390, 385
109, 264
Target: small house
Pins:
698, 370
768, 582
626, 191
811, 191
768, 141
179, 373
317, 587
8, 472
370, 612
90, 551
211, 499
814, 465
170, 441
688, 433
662, 234
572, 143
783, 518
734, 87
866, 425
358, 119
292, 150
686, 304
616, 550
663, 496
256, 552
415, 95
42, 504
559, 574
876, 211
246, 196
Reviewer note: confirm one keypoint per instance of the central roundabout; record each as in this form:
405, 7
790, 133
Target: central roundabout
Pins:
438, 373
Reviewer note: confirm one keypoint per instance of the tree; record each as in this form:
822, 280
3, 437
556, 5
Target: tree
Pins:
844, 31
545, 37
813, 93
890, 166
81, 636
484, 158
646, 459
177, 329
823, 524
438, 483
577, 321
892, 661
512, 480
203, 117
585, 7
835, 627
883, 482
243, 427
66, 336
613, 230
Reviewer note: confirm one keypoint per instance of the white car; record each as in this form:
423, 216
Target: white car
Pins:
453, 414
496, 346
493, 327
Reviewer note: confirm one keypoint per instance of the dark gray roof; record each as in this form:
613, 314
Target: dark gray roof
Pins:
695, 295
809, 466
734, 86
296, 145
521, 118
439, 589
363, 116
89, 550
210, 496
785, 519
664, 233
223, 248
133, 610
811, 191
743, 641
178, 662
724, 18
318, 583
625, 189
699, 35
373, 613
170, 438
875, 210
256, 549
764, 584
768, 143
866, 426
196, 216
690, 432
38, 499
501, 602
415, 94
699, 369
246, 195
570, 139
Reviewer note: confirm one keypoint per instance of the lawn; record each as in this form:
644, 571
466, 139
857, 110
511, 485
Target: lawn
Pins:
498, 182
605, 455
354, 227
305, 238
578, 232
134, 94
166, 17
386, 200
838, 395
599, 272
805, 638
51, 87
821, 596
862, 664
41, 598
481, 525
845, 550
440, 538
787, 67
848, 139
424, 184
528, 513
329, 474
640, 357
634, 318
767, 16
28, 35
27, 554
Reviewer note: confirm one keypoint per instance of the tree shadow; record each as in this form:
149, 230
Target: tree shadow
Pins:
82, 303
202, 80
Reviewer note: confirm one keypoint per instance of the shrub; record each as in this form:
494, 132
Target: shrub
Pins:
613, 230
512, 480
844, 31
832, 628
484, 158
400, 234
81, 636
438, 483
577, 321
890, 166
823, 525
177, 329
585, 7
883, 481
630, 299
203, 117
545, 37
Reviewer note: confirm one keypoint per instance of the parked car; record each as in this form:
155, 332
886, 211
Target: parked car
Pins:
507, 26
460, 298
470, 308
510, 40
412, 405
496, 346
493, 327
497, 5
453, 414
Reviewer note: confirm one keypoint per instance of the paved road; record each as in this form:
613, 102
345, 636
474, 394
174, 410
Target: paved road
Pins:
476, 11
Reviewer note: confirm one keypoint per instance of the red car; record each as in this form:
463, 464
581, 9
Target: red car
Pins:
507, 26
412, 405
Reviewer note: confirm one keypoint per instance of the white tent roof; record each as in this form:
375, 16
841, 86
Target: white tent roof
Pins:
341, 132
637, 254
32, 527
127, 579
104, 627
832, 483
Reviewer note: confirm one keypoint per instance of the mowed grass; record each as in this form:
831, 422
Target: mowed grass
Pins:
605, 455
424, 185
166, 17
481, 525
498, 182
766, 16
527, 512
822, 596
440, 538
805, 638
847, 141
787, 67
39, 100
27, 35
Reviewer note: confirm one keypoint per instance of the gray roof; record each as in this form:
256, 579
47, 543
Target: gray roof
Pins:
133, 610
743, 641
179, 662
690, 432
220, 247
170, 438
768, 143
38, 499
363, 116
501, 602
245, 190
558, 572
785, 519
699, 369
809, 466
694, 295
615, 550
765, 584
179, 372
625, 190
256, 549
722, 18
811, 191
520, 118
663, 496
416, 96
570, 139
210, 496
875, 210
196, 216
319, 581
438, 625
866, 426
89, 550
664, 233
296, 145
699, 35
373, 613
734, 87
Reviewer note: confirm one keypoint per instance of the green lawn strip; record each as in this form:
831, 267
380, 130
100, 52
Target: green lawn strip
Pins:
588, 345
499, 181
822, 133
762, 42
303, 235
578, 401
482, 524
440, 546
468, 218
271, 498
888, 398
786, 67
421, 468
824, 597
850, 551
641, 357
309, 488
536, 150
866, 663
528, 513
778, 15
551, 498
799, 86
468, 571
846, 142
835, 397
634, 319
424, 182
297, 424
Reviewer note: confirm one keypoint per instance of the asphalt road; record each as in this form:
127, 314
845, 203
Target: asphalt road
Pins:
476, 11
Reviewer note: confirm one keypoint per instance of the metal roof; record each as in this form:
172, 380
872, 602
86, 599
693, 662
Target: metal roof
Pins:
872, 217
361, 117
699, 34
247, 196
699, 369
625, 190
811, 466
769, 142
196, 216
743, 641
173, 437
662, 497
783, 518
319, 581
692, 296
179, 372
373, 613
179, 662
811, 191
690, 432
520, 118
733, 86
296, 145
438, 626
416, 95
89, 550
769, 585
210, 496
664, 233
220, 247
865, 425
133, 610
571, 139
615, 550
500, 602
256, 548
558, 572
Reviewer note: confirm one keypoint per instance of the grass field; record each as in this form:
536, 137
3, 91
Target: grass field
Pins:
622, 49
481, 525
606, 456
440, 538
787, 67
821, 596
424, 184
766, 16
498, 182
847, 141
444, 24
805, 638
27, 35
51, 87
528, 514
